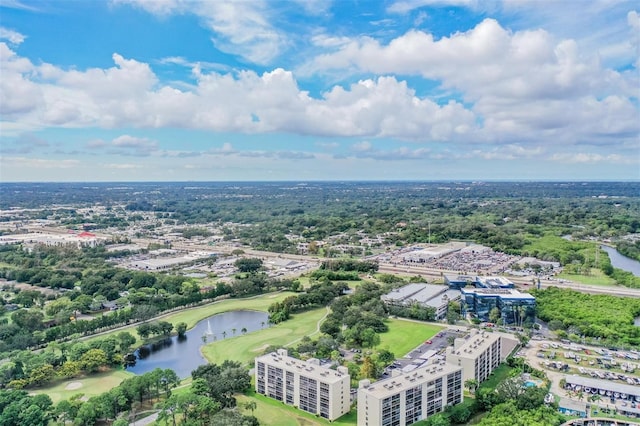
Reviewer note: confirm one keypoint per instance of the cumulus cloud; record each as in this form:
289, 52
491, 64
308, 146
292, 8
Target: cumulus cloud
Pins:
523, 83
129, 95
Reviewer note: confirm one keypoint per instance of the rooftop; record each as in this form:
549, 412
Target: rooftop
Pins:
416, 292
588, 382
504, 293
572, 405
397, 384
474, 345
494, 282
310, 368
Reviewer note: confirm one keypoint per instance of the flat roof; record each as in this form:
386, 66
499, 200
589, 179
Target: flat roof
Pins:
494, 281
603, 384
503, 293
476, 344
459, 278
393, 385
160, 262
572, 405
306, 368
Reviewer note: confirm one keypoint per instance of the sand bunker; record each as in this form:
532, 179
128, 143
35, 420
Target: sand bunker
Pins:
73, 386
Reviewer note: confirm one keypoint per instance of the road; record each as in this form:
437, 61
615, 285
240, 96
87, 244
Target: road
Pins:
522, 282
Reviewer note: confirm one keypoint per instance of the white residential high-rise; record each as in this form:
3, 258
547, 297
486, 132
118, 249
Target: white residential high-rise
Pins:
411, 397
480, 353
303, 384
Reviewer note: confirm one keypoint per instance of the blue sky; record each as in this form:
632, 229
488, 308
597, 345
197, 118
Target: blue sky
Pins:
156, 90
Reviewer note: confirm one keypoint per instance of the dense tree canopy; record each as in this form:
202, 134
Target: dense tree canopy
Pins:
604, 317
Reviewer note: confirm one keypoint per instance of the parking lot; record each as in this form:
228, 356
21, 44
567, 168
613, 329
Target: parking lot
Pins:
433, 347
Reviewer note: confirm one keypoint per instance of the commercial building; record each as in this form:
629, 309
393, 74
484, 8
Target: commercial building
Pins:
303, 384
425, 295
494, 282
82, 239
408, 398
459, 281
425, 254
480, 353
514, 307
462, 281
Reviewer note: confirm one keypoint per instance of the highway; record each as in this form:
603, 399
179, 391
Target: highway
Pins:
428, 273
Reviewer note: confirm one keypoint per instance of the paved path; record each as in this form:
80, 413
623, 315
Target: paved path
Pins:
147, 420
319, 323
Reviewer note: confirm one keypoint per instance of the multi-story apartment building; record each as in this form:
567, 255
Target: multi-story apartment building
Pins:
480, 353
303, 384
408, 398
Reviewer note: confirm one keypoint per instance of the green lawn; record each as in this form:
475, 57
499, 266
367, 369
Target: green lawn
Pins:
405, 335
245, 348
275, 413
497, 376
596, 277
89, 386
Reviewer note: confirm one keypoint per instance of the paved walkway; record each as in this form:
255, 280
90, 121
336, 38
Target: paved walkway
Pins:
146, 420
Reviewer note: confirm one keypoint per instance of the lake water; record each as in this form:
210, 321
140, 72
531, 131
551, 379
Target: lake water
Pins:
183, 355
622, 262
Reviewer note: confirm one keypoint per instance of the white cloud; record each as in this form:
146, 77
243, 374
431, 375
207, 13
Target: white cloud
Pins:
12, 36
122, 166
593, 158
239, 27
405, 6
522, 83
125, 145
40, 163
130, 95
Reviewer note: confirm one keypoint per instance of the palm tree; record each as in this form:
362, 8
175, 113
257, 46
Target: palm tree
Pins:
244, 330
522, 311
471, 384
233, 330
262, 324
224, 334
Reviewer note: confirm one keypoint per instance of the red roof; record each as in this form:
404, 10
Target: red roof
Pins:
86, 234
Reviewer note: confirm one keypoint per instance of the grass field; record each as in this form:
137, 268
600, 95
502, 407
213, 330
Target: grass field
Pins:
89, 386
274, 413
245, 348
403, 335
596, 277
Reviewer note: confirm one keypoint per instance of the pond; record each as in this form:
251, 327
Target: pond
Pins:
622, 262
183, 355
